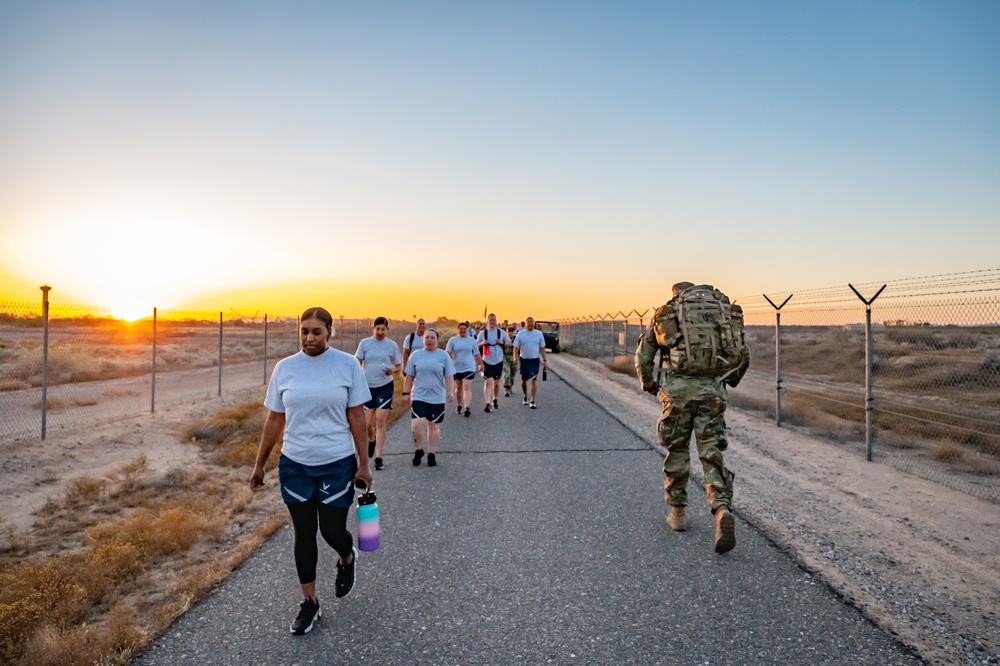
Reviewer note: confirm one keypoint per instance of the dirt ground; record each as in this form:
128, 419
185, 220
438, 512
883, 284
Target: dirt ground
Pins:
917, 558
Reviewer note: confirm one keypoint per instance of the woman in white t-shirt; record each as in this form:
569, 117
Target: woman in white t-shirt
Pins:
464, 352
430, 377
380, 358
316, 400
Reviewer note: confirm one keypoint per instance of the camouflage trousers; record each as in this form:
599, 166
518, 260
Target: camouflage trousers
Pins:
509, 371
704, 418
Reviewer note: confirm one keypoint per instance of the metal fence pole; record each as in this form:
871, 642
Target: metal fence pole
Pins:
868, 367
777, 357
265, 348
152, 386
45, 355
220, 354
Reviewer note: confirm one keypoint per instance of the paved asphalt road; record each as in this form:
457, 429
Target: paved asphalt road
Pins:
539, 539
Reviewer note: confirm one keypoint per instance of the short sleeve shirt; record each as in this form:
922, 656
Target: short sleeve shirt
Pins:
377, 355
314, 393
465, 350
530, 343
413, 342
493, 351
429, 370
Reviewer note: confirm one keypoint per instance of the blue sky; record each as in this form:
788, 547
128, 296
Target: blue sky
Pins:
566, 157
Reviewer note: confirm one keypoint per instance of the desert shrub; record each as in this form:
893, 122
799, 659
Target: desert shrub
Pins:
237, 451
246, 419
128, 475
31, 593
84, 490
947, 451
622, 364
51, 404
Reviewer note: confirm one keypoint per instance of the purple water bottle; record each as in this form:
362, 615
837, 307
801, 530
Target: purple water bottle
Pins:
368, 534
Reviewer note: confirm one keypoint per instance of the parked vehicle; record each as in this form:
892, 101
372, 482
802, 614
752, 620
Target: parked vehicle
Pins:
550, 330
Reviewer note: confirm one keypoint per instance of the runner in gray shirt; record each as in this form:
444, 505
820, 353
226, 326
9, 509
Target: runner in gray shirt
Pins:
414, 341
430, 376
380, 358
529, 346
465, 355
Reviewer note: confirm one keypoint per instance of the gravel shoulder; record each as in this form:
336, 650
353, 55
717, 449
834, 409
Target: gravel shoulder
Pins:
919, 559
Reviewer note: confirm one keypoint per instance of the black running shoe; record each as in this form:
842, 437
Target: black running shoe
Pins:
371, 449
487, 409
459, 408
417, 455
379, 464
346, 575
431, 460
533, 405
468, 412
496, 404
309, 614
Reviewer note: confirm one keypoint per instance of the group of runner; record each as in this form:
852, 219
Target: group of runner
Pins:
434, 377
323, 404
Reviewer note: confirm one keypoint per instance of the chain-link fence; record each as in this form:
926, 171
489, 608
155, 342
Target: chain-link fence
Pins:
63, 368
906, 372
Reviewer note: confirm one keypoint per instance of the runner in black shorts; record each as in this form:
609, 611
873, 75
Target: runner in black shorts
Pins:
529, 351
430, 375
492, 339
380, 359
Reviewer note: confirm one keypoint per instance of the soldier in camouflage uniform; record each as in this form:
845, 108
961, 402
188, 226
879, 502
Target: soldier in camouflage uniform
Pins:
509, 366
692, 404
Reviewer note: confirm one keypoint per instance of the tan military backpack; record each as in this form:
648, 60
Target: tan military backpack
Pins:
702, 330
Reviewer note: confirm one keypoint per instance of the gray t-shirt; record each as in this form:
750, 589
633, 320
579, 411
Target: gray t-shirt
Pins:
465, 350
493, 351
413, 342
429, 370
376, 356
530, 343
314, 392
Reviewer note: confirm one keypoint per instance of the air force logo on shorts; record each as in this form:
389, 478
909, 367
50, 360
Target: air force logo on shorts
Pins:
330, 484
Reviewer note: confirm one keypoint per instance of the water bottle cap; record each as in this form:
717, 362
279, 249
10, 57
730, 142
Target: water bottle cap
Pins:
366, 499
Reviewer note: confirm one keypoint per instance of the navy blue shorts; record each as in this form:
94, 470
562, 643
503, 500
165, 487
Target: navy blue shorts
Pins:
332, 484
381, 397
493, 370
529, 368
427, 410
471, 374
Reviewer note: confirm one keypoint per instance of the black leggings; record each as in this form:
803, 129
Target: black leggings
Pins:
332, 523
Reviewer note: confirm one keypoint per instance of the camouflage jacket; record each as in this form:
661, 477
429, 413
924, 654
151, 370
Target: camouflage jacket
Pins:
675, 387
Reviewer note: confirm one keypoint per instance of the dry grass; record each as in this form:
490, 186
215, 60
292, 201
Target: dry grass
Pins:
948, 451
622, 364
51, 404
115, 560
121, 393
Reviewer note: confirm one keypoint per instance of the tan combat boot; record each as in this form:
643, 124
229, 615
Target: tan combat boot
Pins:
676, 519
725, 530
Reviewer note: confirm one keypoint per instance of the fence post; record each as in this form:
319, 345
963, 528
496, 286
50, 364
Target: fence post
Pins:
220, 354
777, 357
152, 386
868, 366
45, 355
265, 348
